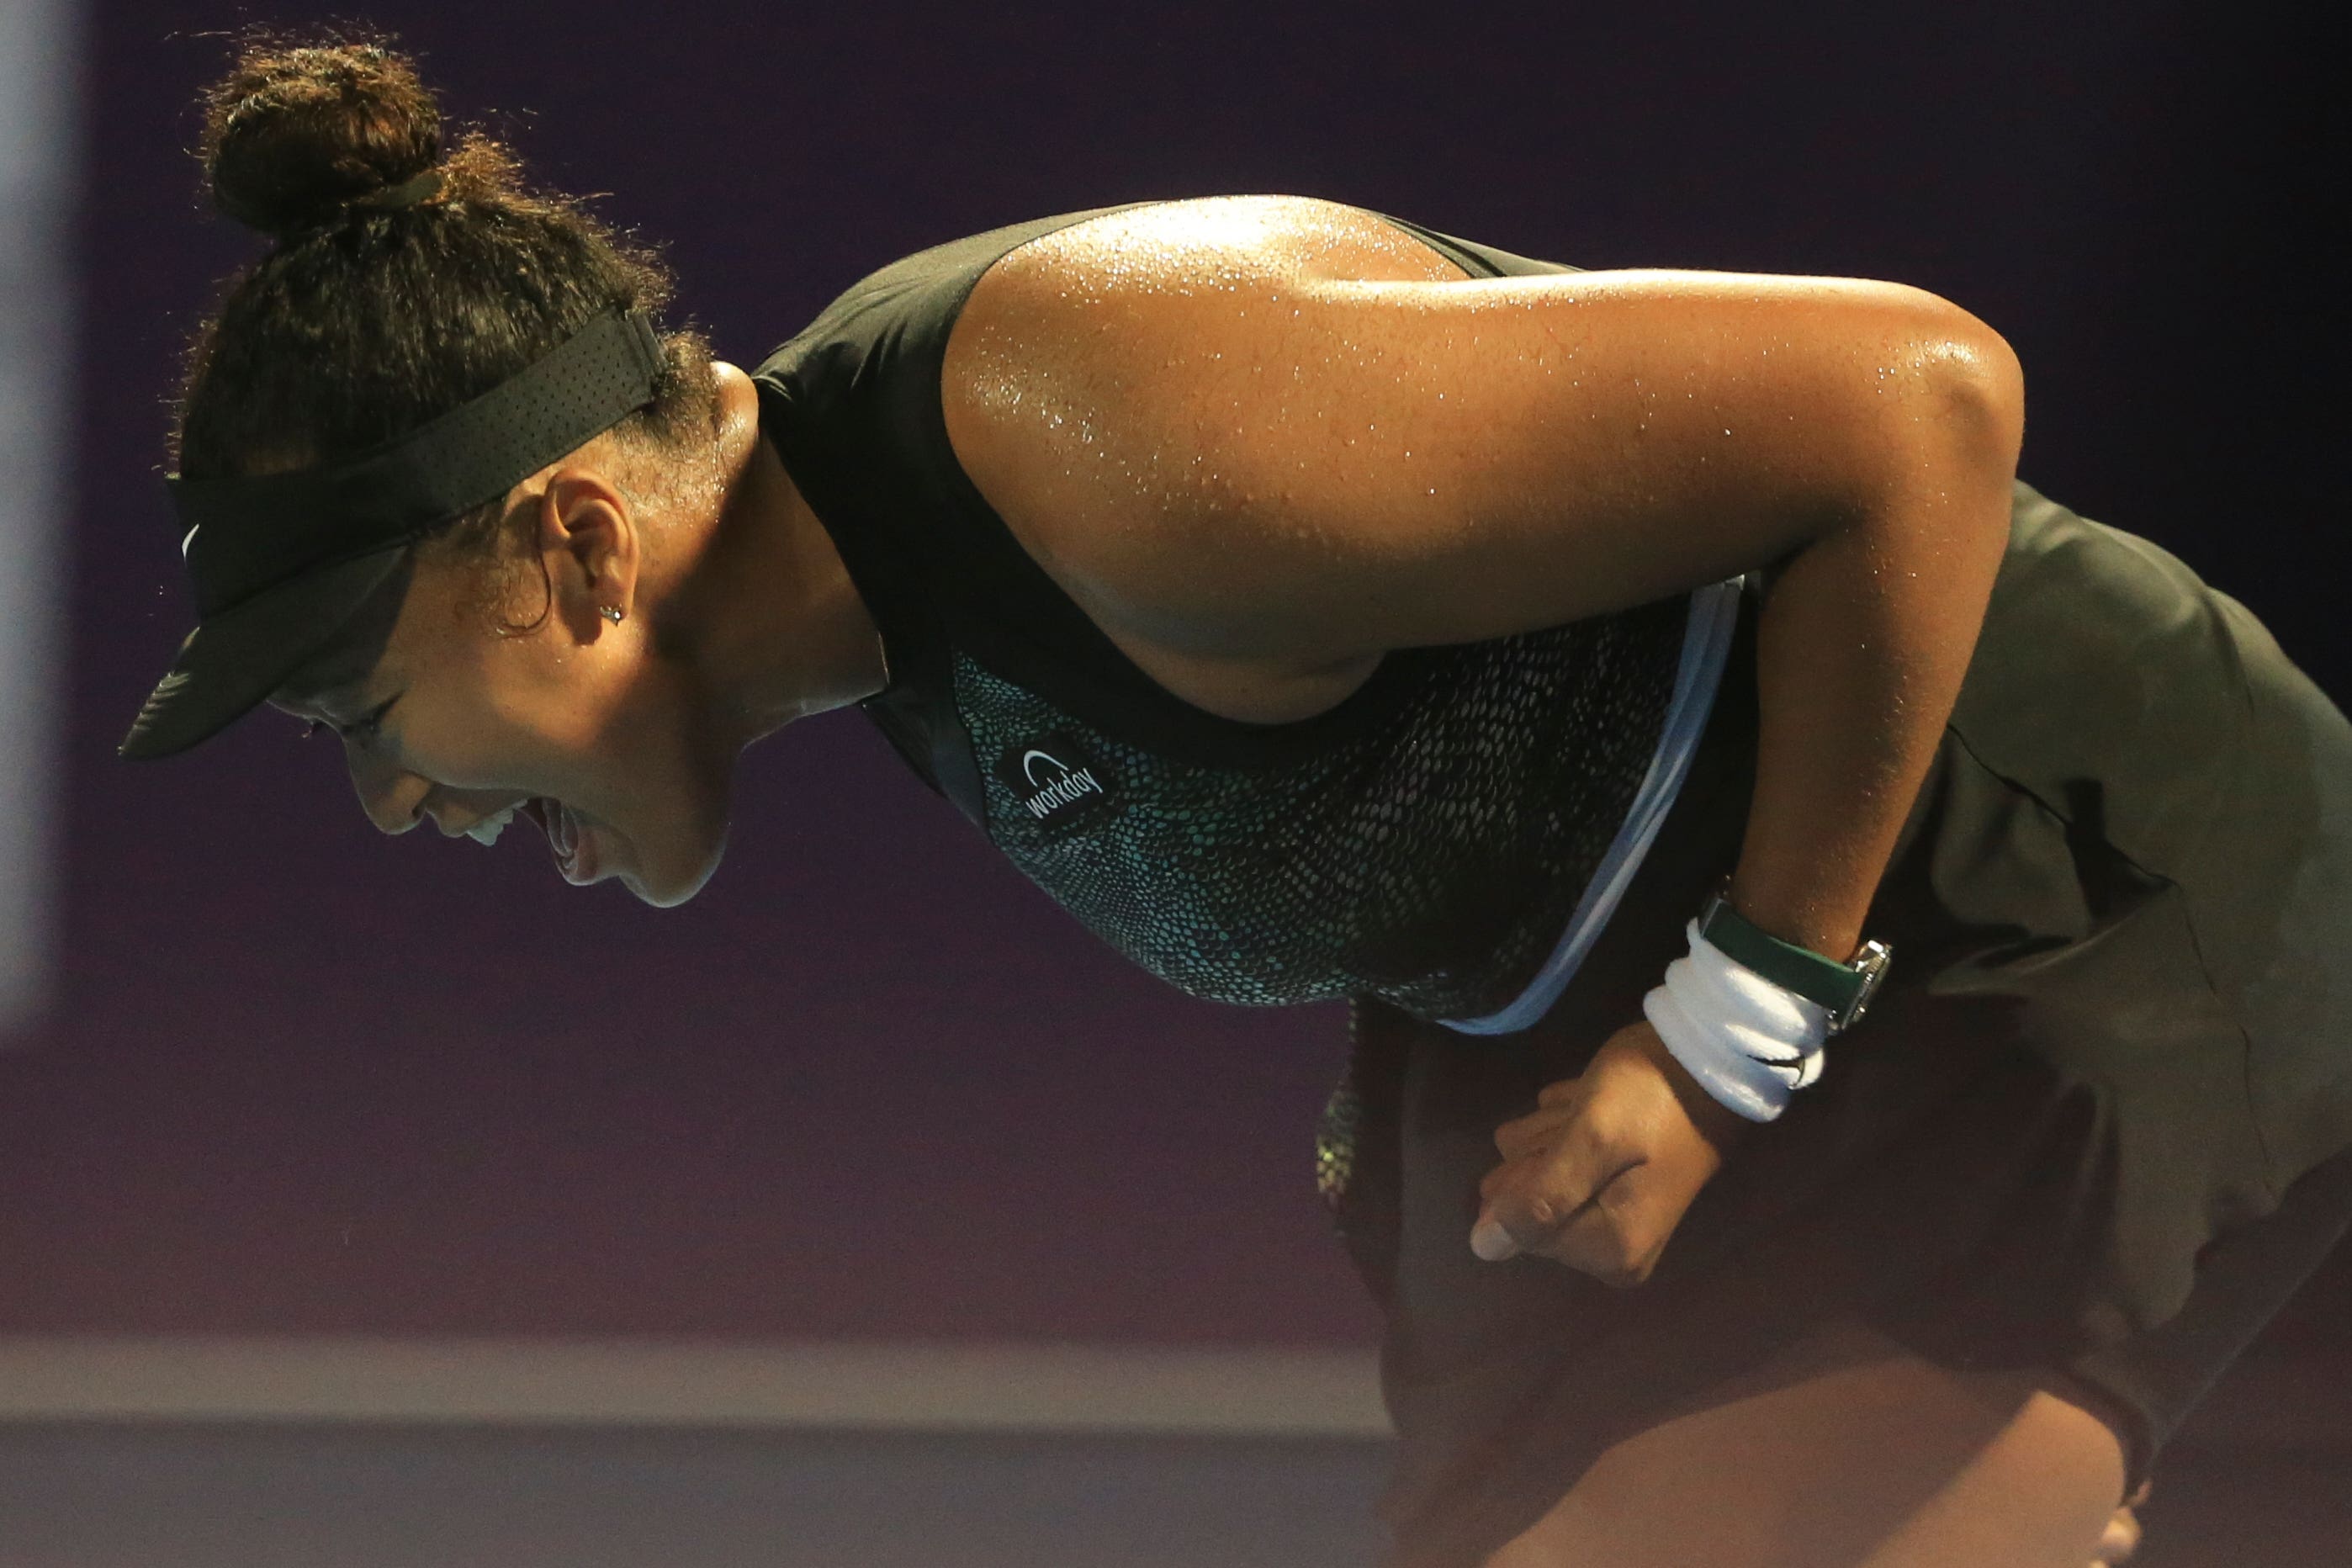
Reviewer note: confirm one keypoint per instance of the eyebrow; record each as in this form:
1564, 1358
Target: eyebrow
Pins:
320, 685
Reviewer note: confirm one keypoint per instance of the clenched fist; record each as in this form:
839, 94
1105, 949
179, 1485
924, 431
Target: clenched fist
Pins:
1599, 1173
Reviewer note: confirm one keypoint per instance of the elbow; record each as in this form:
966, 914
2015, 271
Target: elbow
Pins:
1982, 386
1997, 392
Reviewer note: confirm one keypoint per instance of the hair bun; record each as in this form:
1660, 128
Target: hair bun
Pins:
295, 133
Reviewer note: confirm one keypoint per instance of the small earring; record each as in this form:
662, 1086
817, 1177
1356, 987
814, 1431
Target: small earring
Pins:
613, 613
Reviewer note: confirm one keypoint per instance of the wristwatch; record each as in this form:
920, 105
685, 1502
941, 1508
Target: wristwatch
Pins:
1843, 989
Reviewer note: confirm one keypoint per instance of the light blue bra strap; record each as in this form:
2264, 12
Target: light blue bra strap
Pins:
1707, 643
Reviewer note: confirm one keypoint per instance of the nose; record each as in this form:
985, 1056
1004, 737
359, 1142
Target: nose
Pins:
393, 800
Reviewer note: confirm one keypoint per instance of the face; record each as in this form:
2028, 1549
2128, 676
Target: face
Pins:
473, 711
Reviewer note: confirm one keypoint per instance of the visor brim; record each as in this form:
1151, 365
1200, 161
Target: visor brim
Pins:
232, 662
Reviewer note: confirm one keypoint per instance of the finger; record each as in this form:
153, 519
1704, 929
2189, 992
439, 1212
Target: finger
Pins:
1611, 1237
1513, 1217
1529, 1200
1516, 1139
1567, 1091
1492, 1181
2120, 1540
1509, 1223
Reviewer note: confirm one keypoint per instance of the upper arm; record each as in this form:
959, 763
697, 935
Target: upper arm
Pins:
1290, 430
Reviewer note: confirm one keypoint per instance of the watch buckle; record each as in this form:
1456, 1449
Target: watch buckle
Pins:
1871, 964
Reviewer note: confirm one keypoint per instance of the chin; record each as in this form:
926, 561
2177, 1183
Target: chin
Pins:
666, 893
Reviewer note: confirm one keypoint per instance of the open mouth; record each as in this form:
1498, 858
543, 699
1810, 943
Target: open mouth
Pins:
487, 831
566, 836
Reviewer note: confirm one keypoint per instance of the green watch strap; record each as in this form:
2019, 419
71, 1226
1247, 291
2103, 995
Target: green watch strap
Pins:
1843, 989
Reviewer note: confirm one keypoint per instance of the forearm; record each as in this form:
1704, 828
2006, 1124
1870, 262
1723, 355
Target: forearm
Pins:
1861, 647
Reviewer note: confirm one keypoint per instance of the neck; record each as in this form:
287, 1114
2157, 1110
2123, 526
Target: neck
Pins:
777, 627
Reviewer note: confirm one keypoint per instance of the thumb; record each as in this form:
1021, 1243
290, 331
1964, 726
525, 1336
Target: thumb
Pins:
1490, 1239
1513, 1220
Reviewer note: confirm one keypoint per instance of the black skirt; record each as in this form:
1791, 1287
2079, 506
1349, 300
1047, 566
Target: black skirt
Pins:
2095, 1122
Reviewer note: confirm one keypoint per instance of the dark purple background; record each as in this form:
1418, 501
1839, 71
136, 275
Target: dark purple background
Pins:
871, 1083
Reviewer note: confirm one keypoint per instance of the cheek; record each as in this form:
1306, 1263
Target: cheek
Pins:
536, 715
534, 709
617, 739
465, 742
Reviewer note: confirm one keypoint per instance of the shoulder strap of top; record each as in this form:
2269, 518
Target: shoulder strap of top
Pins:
1478, 260
852, 404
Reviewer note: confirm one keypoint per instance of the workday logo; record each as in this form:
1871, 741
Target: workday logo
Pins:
1055, 781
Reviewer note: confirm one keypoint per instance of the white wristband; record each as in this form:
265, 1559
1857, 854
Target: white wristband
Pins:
1750, 1044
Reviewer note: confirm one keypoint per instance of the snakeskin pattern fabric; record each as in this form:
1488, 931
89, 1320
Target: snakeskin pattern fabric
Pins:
1429, 858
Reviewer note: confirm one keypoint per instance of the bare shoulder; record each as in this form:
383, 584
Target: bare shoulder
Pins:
1269, 435
1184, 249
1057, 387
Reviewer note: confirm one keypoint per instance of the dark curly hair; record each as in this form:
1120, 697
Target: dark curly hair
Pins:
365, 322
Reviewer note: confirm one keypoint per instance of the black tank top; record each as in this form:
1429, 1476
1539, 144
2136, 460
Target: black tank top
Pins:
1425, 841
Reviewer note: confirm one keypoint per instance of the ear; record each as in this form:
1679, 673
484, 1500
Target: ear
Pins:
590, 539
